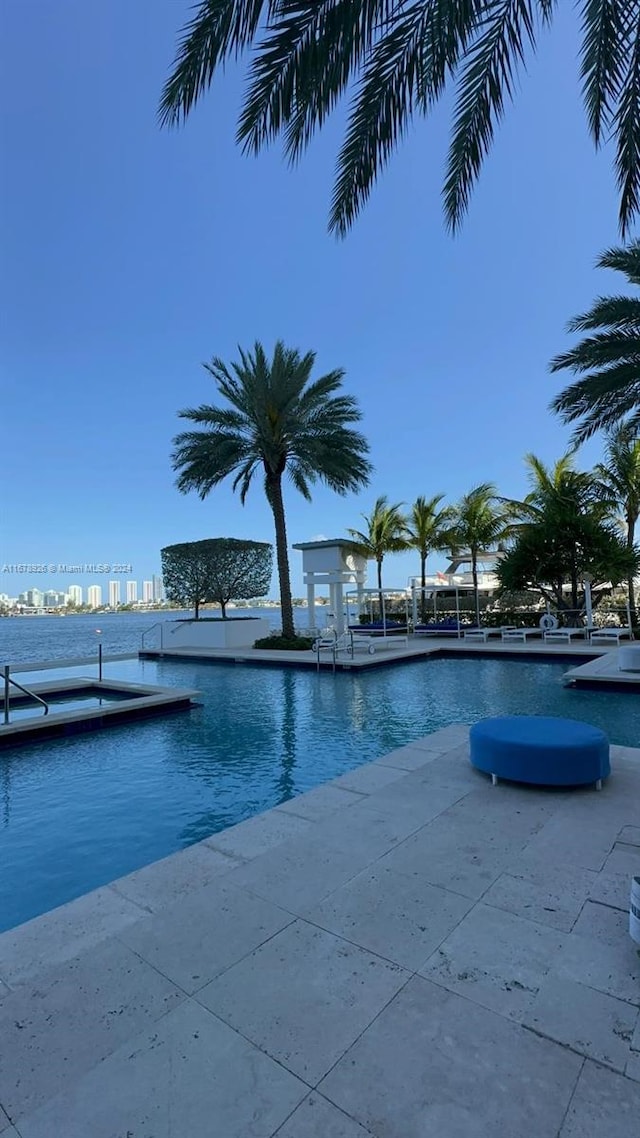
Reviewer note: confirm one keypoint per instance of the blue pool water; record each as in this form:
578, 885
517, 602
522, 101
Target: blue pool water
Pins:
76, 813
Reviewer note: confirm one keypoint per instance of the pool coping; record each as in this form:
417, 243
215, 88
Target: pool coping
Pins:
147, 700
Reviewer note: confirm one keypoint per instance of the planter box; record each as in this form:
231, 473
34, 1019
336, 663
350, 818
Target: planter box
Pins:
236, 632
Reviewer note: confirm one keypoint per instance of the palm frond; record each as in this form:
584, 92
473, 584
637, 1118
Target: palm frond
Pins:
626, 126
507, 30
609, 311
624, 259
604, 56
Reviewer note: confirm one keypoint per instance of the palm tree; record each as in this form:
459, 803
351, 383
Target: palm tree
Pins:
428, 531
401, 58
620, 478
481, 521
386, 532
277, 421
608, 361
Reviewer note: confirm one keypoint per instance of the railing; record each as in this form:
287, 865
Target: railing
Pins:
158, 624
31, 694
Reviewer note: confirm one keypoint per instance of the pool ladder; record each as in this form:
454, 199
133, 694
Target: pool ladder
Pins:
31, 694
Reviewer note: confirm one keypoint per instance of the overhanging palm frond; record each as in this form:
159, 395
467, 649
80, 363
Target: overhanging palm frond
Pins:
603, 62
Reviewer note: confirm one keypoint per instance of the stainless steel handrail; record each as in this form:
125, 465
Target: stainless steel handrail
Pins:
146, 632
31, 694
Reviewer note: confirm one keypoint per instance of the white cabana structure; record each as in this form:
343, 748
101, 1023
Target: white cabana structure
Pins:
431, 593
332, 564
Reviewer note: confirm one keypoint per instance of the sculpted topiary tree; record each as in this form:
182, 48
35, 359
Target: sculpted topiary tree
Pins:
216, 570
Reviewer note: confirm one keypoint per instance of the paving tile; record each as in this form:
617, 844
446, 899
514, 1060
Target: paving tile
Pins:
462, 861
414, 799
504, 812
165, 881
623, 859
191, 1076
630, 835
596, 1025
401, 918
452, 769
257, 835
603, 923
368, 778
495, 959
303, 997
611, 889
632, 1070
433, 1063
63, 933
550, 895
298, 873
610, 968
71, 1018
317, 1118
197, 938
605, 1105
410, 758
561, 843
369, 834
5, 1126
320, 803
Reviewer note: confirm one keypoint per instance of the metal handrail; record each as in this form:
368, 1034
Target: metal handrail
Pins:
31, 694
146, 632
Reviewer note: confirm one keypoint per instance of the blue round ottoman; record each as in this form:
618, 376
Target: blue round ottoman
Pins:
540, 749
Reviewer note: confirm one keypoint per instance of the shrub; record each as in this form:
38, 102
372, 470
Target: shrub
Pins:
288, 643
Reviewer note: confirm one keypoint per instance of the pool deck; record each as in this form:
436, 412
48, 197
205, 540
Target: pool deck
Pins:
409, 649
603, 672
406, 952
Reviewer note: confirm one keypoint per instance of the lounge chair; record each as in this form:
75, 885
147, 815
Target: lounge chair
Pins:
609, 635
484, 633
566, 635
520, 634
442, 628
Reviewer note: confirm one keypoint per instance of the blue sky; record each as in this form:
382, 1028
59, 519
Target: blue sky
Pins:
131, 254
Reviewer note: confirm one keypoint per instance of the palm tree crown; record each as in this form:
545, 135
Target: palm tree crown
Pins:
607, 360
481, 521
620, 478
276, 421
386, 532
428, 531
401, 58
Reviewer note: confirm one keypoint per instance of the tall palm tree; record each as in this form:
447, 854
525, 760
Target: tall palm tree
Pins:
386, 532
401, 58
620, 478
428, 531
481, 521
608, 360
277, 422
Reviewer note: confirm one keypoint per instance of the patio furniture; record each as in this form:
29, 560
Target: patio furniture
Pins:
520, 633
609, 635
564, 635
629, 658
541, 750
442, 628
484, 633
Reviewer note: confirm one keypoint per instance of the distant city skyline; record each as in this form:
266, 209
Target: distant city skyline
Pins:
34, 597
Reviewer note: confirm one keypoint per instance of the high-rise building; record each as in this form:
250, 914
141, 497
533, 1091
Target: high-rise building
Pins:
114, 594
132, 592
94, 596
147, 592
35, 598
53, 599
158, 588
75, 594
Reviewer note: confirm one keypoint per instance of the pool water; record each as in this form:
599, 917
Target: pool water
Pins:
77, 813
75, 702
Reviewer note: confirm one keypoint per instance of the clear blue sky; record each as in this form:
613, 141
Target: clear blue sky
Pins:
131, 254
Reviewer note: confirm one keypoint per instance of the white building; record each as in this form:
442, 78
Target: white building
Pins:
94, 596
35, 598
132, 592
75, 594
158, 589
147, 592
114, 594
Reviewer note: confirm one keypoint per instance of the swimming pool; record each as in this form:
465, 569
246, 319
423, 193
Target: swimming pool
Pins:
77, 813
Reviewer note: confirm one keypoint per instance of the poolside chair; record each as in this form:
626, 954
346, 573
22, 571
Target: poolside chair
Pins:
564, 635
610, 635
520, 634
483, 634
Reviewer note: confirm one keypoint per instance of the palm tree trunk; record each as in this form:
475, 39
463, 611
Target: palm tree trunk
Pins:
197, 608
223, 609
474, 574
380, 588
282, 557
423, 582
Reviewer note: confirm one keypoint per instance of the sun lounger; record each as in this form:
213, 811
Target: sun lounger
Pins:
520, 633
564, 635
609, 635
483, 634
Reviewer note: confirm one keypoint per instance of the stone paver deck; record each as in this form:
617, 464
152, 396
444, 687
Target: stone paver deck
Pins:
406, 952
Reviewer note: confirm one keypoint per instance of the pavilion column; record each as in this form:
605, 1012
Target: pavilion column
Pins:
311, 604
